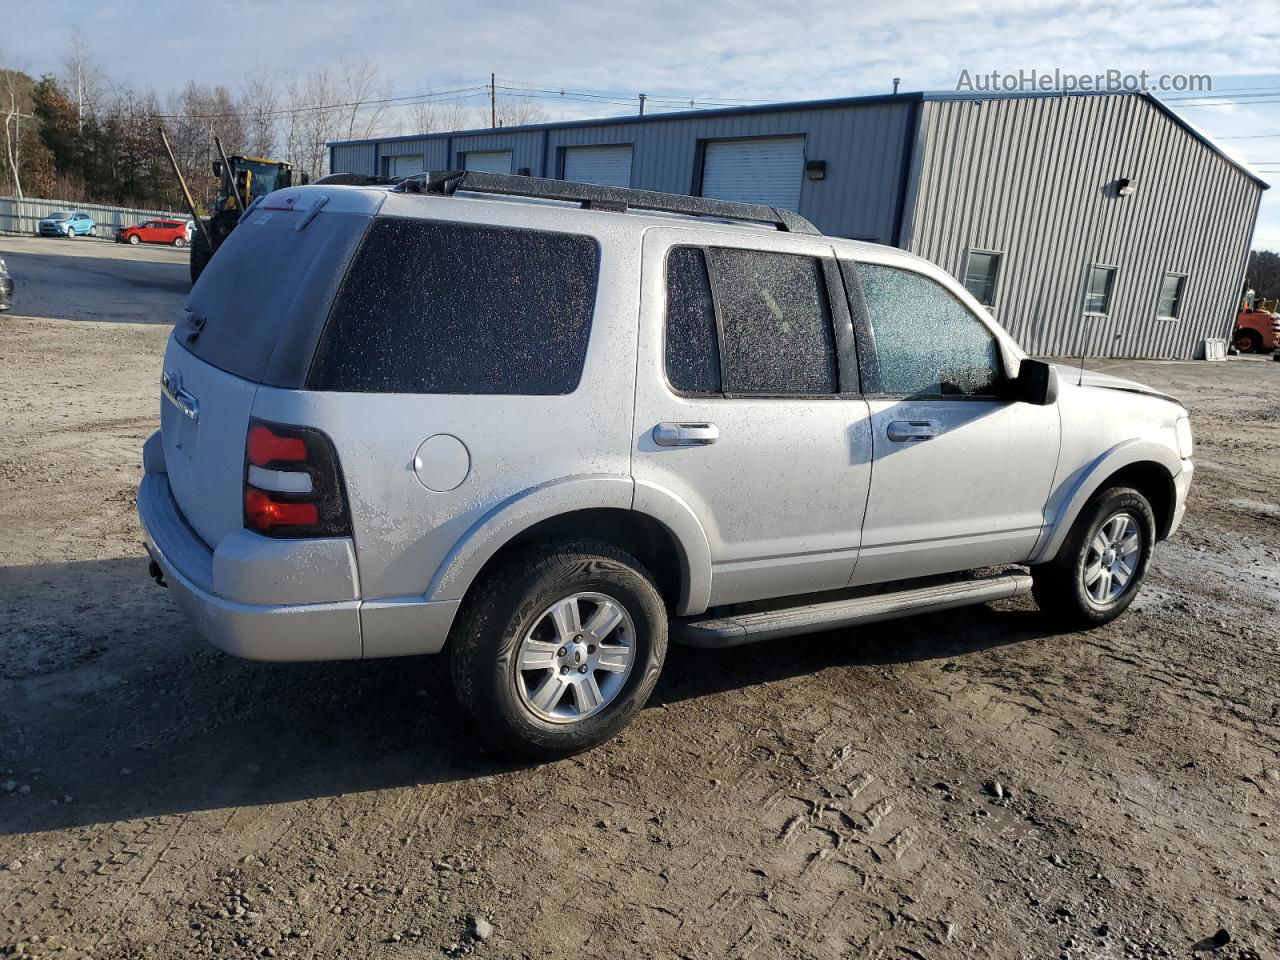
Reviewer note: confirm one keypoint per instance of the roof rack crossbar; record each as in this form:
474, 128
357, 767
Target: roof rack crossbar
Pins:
594, 197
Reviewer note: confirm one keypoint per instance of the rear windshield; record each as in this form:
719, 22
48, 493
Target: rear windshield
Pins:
267, 291
436, 307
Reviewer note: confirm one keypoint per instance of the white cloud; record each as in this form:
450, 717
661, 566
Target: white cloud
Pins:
740, 49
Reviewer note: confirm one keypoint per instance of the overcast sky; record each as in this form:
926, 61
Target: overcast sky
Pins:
743, 50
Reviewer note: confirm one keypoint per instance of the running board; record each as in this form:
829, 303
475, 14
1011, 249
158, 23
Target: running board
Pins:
744, 628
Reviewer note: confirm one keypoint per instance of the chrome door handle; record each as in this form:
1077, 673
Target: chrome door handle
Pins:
904, 430
667, 434
171, 387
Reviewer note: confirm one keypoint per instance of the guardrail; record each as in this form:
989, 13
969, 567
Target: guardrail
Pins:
21, 216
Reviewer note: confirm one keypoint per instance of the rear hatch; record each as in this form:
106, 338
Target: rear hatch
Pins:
253, 318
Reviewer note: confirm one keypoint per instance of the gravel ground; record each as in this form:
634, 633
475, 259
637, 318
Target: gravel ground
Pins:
973, 784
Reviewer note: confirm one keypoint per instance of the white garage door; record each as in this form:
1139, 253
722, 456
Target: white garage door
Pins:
405, 166
492, 161
606, 166
767, 171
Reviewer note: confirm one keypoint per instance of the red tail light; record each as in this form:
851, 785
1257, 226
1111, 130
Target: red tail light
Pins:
293, 483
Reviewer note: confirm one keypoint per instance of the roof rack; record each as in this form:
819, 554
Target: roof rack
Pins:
593, 197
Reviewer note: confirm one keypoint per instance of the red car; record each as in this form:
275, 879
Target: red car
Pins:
155, 231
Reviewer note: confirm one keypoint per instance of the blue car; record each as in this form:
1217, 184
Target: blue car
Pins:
67, 225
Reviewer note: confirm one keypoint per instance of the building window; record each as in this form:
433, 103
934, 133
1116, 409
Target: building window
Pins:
1169, 306
980, 274
1097, 298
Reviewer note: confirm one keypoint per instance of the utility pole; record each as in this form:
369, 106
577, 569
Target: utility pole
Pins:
493, 101
643, 98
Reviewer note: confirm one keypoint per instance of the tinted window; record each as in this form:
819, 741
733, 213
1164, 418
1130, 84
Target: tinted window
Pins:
431, 307
775, 322
980, 276
268, 278
692, 346
927, 341
1170, 296
1098, 296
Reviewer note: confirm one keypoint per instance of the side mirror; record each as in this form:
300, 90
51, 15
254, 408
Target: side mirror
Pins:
1036, 383
217, 169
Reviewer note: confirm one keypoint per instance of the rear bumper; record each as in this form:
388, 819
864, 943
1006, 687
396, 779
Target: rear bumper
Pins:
265, 599
256, 631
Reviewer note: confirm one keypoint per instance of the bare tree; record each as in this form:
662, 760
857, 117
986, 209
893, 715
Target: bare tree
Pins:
259, 106
513, 111
432, 115
312, 119
359, 88
82, 78
15, 100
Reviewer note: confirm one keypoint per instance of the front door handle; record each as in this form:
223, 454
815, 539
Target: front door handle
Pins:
905, 430
667, 434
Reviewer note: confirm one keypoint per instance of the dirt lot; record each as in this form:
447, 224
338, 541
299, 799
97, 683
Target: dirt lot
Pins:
829, 796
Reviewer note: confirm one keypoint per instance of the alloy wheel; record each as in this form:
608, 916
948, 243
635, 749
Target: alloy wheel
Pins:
1112, 559
576, 658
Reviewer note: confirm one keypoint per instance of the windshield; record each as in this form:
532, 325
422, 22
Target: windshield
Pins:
265, 177
59, 215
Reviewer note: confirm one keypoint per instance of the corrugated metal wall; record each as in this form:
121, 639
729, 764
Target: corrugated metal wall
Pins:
22, 216
864, 146
1033, 179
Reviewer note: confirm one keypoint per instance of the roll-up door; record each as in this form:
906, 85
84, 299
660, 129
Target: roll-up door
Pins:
766, 170
489, 161
607, 166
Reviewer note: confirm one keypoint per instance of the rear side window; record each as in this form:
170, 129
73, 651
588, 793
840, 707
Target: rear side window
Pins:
775, 323
692, 347
433, 307
928, 343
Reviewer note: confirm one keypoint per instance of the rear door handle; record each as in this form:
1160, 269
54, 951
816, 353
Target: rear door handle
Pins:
667, 434
171, 387
905, 430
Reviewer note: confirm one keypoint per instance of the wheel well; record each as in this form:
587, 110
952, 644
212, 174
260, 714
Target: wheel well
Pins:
1153, 482
638, 534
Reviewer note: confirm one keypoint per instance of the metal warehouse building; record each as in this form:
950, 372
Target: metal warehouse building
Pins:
1097, 223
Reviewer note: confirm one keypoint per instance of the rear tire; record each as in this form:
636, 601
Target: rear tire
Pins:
200, 255
179, 242
1247, 341
1100, 567
586, 672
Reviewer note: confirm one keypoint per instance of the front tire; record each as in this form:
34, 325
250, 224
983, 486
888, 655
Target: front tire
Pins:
1247, 341
134, 239
1102, 563
558, 648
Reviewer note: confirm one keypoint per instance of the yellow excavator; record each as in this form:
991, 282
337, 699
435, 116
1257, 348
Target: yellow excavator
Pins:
241, 181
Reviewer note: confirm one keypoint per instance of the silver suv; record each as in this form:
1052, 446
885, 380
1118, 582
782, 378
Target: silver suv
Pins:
542, 426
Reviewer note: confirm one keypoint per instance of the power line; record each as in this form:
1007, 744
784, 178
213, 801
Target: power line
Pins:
441, 96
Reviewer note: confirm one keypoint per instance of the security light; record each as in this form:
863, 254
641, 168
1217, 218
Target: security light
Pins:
1125, 187
816, 169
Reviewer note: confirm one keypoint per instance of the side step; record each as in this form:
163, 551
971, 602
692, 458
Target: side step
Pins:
744, 628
